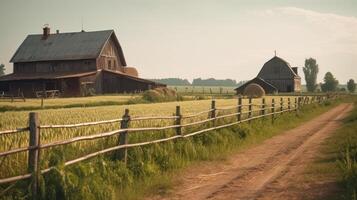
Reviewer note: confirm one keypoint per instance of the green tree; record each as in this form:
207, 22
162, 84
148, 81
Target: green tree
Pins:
330, 83
351, 85
2, 69
311, 70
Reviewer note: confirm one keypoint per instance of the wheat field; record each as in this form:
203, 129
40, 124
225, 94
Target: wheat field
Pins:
17, 163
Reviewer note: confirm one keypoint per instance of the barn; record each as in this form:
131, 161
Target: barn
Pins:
275, 76
73, 64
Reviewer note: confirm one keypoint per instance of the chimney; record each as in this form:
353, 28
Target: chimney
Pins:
57, 31
46, 32
295, 69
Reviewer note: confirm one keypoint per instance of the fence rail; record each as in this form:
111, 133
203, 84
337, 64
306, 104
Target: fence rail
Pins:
34, 129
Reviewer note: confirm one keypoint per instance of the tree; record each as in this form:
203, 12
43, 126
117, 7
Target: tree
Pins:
2, 69
330, 83
351, 85
311, 70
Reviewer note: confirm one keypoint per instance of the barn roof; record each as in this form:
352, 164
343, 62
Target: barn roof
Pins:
269, 88
65, 46
132, 77
277, 62
64, 75
44, 76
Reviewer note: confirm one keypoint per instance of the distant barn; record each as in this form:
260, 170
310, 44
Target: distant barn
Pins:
275, 76
73, 64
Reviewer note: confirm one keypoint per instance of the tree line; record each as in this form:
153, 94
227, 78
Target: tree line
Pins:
199, 82
329, 84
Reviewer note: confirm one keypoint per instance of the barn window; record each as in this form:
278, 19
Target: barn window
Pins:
109, 64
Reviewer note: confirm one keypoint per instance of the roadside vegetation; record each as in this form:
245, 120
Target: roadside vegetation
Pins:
339, 158
150, 168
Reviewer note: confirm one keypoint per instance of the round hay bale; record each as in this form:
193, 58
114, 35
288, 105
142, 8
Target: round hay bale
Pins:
131, 71
254, 90
153, 95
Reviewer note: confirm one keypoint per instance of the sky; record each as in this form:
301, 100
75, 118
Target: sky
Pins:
209, 39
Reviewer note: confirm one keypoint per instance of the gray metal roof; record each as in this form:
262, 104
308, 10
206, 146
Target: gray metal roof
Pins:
62, 46
283, 70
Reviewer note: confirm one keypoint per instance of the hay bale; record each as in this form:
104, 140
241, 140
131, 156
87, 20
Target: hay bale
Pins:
131, 71
153, 96
254, 90
160, 94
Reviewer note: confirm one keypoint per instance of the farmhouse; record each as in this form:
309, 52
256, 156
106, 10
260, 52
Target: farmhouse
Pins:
72, 64
275, 76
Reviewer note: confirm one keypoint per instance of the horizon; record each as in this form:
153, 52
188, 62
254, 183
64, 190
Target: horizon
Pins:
190, 39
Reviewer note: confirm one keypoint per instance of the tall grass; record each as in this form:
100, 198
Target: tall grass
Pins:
148, 167
347, 160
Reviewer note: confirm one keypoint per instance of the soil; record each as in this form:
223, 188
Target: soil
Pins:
271, 170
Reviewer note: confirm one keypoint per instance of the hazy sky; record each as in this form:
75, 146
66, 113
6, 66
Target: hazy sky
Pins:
190, 39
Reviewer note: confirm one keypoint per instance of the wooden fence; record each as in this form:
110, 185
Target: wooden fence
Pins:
34, 129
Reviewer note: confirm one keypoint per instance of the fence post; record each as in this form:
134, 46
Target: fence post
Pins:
289, 104
178, 120
213, 108
263, 107
296, 105
213, 111
239, 108
281, 105
272, 110
34, 154
123, 136
250, 108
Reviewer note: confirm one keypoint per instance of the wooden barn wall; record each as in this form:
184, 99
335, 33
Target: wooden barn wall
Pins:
286, 85
70, 87
109, 58
87, 83
67, 87
119, 84
55, 66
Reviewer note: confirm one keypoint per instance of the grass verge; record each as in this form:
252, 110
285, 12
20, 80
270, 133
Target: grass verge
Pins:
338, 159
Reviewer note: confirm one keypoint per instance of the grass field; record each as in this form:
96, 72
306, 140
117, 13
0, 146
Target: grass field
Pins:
143, 162
31, 104
18, 119
194, 90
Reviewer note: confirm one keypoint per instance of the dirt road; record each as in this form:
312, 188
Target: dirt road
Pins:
271, 170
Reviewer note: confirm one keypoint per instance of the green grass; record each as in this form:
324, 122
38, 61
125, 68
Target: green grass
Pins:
149, 168
338, 158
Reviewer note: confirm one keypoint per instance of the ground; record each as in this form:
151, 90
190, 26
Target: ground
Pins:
274, 169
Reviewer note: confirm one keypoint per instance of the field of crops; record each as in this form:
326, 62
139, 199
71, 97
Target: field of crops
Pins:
106, 177
12, 120
204, 90
57, 102
16, 164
